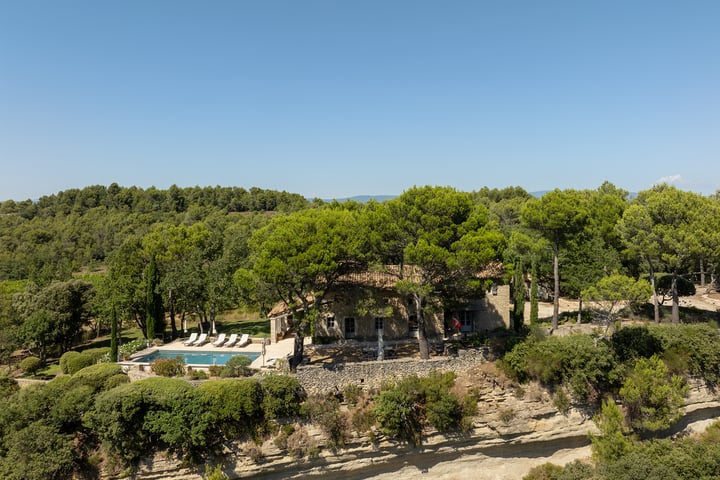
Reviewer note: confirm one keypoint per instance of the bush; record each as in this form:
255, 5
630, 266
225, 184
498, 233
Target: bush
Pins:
325, 412
237, 366
282, 396
234, 404
64, 360
215, 370
586, 365
101, 376
129, 348
97, 354
352, 393
8, 385
169, 367
652, 396
30, 365
404, 409
75, 361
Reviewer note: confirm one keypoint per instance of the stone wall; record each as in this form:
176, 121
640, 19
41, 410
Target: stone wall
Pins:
371, 375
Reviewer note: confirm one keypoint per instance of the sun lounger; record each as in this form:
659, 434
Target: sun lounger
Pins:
202, 339
220, 340
192, 339
232, 340
244, 340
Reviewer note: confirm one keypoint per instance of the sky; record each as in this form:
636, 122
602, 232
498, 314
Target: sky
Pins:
332, 99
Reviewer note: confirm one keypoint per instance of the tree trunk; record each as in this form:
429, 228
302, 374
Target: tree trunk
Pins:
579, 320
656, 307
675, 302
556, 275
422, 334
702, 273
298, 350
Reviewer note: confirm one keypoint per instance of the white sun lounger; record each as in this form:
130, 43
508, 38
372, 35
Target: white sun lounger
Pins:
192, 339
202, 339
244, 340
232, 340
220, 340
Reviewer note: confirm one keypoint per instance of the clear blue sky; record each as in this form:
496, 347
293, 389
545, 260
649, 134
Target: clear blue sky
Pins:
340, 98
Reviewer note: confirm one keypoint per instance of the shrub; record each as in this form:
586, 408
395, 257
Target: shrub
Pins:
652, 396
64, 360
546, 471
235, 404
215, 370
300, 444
282, 396
101, 376
30, 365
116, 380
198, 374
352, 393
97, 354
215, 473
129, 348
237, 366
325, 412
169, 367
8, 385
75, 363
586, 365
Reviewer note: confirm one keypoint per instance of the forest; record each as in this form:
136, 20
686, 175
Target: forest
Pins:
82, 263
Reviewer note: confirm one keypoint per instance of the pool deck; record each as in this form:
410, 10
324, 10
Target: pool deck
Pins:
272, 351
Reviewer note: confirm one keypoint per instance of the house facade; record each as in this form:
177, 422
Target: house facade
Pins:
365, 305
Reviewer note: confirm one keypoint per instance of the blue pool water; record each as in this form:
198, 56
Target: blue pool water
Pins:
195, 358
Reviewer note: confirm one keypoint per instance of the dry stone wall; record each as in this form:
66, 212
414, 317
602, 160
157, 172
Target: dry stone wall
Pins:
371, 375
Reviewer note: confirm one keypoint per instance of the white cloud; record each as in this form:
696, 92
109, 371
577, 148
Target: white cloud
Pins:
670, 179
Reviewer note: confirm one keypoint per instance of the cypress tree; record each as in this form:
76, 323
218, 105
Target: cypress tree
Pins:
519, 297
114, 336
154, 311
533, 294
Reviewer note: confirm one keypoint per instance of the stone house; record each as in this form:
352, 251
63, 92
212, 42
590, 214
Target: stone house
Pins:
363, 304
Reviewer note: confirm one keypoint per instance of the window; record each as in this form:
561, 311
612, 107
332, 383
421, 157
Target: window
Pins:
466, 319
349, 327
330, 322
379, 323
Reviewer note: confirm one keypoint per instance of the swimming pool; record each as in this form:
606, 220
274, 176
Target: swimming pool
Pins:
195, 358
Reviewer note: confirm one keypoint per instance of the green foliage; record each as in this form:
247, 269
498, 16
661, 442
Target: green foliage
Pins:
38, 451
72, 362
586, 366
129, 348
352, 393
613, 291
8, 386
652, 396
546, 471
634, 342
215, 473
30, 365
101, 376
282, 396
403, 410
169, 367
693, 348
237, 366
612, 442
233, 407
325, 412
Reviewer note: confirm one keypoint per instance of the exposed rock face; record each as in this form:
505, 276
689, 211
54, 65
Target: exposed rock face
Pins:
511, 424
